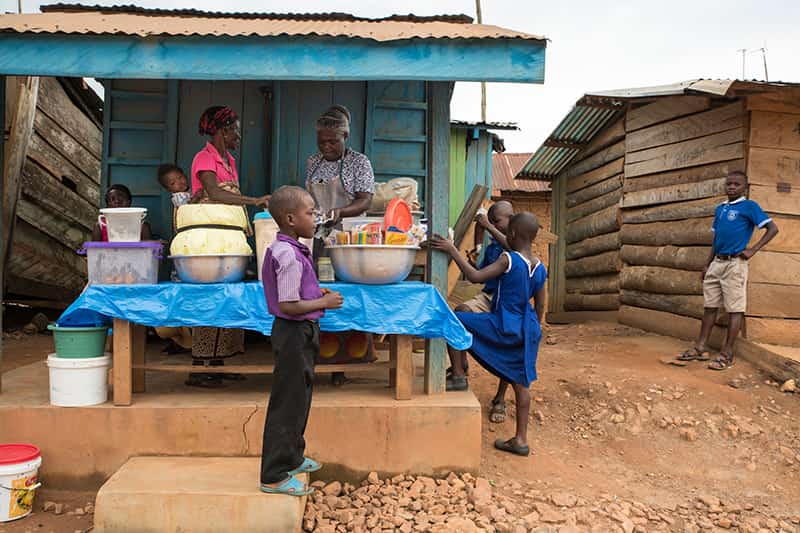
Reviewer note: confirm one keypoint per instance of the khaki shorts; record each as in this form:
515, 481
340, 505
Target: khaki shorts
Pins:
725, 285
481, 303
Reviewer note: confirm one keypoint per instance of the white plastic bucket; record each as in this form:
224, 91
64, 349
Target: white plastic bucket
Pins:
19, 479
78, 382
124, 224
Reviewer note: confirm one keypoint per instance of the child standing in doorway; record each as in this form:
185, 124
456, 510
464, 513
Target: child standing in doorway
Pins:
725, 274
296, 300
506, 339
118, 196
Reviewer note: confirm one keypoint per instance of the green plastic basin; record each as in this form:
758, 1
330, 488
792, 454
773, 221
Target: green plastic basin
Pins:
79, 343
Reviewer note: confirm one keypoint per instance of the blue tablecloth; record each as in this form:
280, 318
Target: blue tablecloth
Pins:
411, 308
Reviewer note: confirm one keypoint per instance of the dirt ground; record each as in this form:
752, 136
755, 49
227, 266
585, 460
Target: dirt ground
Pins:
621, 442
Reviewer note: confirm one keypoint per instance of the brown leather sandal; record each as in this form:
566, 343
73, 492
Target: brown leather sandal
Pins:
723, 362
694, 354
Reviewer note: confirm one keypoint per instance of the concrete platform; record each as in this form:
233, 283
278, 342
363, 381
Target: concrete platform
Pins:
354, 429
208, 494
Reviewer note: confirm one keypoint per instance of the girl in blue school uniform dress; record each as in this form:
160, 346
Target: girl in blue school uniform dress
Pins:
506, 340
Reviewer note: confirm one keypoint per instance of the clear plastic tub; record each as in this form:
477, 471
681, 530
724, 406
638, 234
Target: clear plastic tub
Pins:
123, 263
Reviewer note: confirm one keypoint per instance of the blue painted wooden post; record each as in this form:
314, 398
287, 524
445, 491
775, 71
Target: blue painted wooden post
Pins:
437, 209
2, 192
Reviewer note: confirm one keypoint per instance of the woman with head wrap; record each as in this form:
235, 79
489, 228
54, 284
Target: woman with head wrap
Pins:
342, 184
214, 175
339, 178
216, 180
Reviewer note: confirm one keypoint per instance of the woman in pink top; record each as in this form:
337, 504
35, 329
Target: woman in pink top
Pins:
216, 181
214, 176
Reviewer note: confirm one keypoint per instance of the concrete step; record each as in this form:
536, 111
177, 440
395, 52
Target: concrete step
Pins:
193, 494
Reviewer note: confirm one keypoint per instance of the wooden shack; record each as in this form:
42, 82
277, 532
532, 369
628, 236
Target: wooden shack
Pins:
51, 185
524, 194
471, 147
634, 194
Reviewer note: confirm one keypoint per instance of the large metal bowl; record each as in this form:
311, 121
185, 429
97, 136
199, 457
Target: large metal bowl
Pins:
222, 268
372, 264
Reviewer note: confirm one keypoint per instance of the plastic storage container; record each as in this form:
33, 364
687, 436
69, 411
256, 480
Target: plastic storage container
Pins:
78, 382
123, 263
19, 479
79, 342
124, 224
266, 230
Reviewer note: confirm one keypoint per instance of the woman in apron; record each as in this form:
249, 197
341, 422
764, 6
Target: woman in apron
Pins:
339, 178
215, 180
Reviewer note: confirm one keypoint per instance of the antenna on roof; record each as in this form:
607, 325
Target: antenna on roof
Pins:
744, 55
745, 52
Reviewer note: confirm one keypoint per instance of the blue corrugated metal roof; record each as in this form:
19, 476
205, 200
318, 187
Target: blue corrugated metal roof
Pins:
580, 125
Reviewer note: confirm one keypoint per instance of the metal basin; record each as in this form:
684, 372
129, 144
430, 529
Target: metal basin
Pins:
372, 264
223, 268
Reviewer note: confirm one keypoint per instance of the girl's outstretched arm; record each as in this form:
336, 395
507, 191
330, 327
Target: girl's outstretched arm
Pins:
538, 303
483, 275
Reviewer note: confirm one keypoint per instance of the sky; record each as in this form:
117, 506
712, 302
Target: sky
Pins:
593, 46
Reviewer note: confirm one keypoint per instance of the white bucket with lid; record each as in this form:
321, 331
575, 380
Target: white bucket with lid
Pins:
123, 224
78, 382
19, 479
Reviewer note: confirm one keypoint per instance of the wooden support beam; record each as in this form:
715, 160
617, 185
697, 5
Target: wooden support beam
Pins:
401, 350
693, 126
722, 146
605, 221
138, 346
675, 193
677, 211
591, 302
603, 284
664, 109
606, 155
438, 183
123, 362
593, 206
682, 176
681, 327
685, 258
594, 265
694, 231
660, 280
594, 191
593, 245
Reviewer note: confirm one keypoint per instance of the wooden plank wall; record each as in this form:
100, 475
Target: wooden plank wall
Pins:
773, 166
592, 188
59, 198
678, 151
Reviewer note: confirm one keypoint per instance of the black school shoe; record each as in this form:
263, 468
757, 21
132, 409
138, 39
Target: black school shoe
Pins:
456, 383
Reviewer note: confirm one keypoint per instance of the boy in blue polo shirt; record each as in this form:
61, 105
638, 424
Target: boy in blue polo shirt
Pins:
725, 275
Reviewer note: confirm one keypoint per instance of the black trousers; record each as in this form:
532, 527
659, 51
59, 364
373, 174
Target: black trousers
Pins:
295, 345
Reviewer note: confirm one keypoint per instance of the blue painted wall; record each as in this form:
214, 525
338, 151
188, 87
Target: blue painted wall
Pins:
148, 122
279, 58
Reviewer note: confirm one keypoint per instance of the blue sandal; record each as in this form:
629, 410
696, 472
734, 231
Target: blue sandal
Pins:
291, 487
308, 465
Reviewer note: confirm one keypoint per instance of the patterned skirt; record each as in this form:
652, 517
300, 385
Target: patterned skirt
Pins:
216, 343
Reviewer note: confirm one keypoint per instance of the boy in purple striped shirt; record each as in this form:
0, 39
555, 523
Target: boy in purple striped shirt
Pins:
296, 300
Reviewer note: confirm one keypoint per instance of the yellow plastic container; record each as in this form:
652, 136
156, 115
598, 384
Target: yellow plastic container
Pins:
203, 214
206, 241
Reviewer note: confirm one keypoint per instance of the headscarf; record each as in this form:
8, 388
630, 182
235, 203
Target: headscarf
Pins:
336, 118
215, 118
